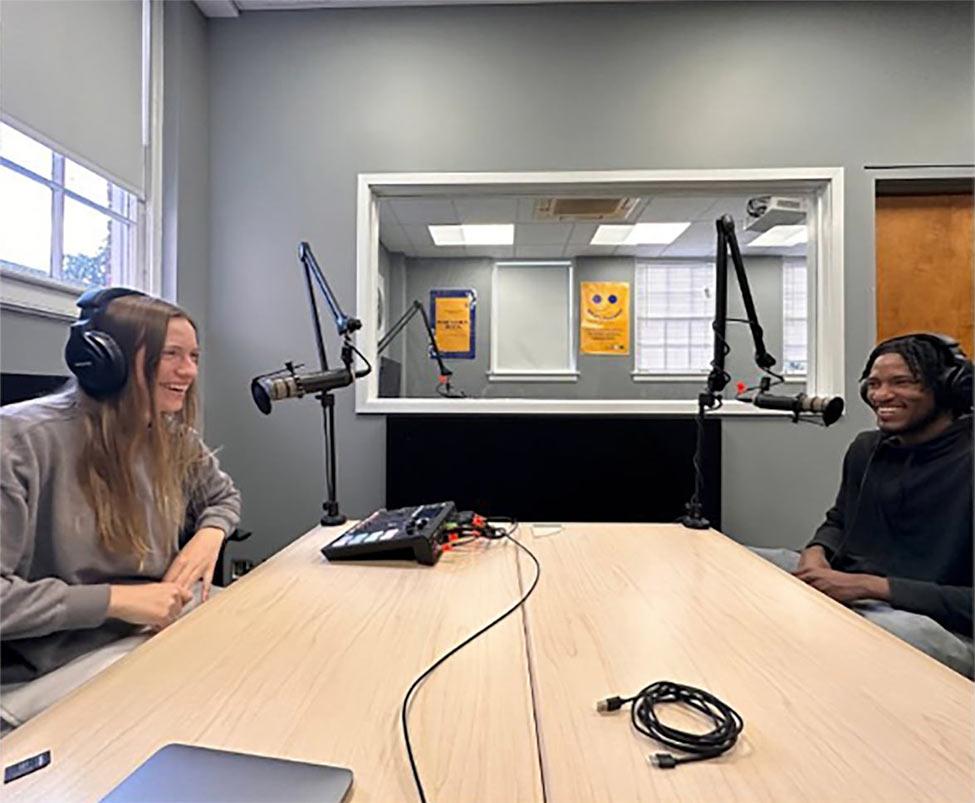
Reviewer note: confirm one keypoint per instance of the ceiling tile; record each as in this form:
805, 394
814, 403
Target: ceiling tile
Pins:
582, 232
419, 236
650, 251
697, 240
486, 210
394, 238
386, 213
411, 211
439, 252
526, 209
491, 251
542, 233
677, 208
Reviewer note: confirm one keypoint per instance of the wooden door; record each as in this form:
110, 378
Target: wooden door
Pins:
924, 265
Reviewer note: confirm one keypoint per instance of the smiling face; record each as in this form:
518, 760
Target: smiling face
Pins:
178, 366
605, 308
903, 404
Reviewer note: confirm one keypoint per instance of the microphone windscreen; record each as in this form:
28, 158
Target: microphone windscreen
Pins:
833, 410
261, 397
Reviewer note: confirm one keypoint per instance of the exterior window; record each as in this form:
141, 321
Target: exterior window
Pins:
62, 221
794, 317
674, 308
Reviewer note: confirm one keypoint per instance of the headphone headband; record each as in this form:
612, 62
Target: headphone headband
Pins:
93, 302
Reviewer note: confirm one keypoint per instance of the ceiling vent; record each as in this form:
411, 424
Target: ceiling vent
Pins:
585, 209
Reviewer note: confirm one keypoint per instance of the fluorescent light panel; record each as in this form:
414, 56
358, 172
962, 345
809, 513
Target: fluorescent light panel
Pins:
640, 234
781, 237
473, 234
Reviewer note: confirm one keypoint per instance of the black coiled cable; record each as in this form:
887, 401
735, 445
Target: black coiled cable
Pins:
698, 746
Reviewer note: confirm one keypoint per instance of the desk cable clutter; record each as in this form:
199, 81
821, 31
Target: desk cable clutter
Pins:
728, 724
423, 533
463, 528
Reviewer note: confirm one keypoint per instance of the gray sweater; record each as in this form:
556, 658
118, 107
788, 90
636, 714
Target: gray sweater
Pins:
54, 573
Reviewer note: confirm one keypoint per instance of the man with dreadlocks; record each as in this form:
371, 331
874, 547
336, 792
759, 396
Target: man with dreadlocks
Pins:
897, 545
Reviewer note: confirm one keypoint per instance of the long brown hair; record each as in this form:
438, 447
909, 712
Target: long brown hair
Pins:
126, 428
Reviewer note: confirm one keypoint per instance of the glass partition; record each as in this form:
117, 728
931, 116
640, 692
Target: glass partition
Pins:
568, 291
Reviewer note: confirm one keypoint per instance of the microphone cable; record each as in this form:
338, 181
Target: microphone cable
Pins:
493, 533
728, 724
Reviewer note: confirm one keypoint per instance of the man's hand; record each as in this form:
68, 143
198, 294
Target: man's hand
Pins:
153, 604
813, 557
196, 561
845, 587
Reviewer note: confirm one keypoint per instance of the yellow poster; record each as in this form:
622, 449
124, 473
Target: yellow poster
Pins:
604, 318
453, 325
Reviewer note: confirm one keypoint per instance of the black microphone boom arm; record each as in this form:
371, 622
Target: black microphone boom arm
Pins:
345, 323
728, 241
718, 378
289, 384
398, 327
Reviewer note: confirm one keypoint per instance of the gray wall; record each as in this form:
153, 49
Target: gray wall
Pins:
186, 173
302, 102
600, 377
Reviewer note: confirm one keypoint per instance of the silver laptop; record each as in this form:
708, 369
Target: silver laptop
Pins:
182, 773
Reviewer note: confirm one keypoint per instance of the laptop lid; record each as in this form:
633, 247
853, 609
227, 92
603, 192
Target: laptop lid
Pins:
191, 774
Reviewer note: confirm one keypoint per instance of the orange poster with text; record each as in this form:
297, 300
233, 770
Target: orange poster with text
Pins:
604, 318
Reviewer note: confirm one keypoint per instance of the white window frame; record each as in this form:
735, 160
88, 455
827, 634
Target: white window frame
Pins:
498, 373
47, 296
824, 255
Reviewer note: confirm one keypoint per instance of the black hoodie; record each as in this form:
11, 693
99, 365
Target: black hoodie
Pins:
905, 513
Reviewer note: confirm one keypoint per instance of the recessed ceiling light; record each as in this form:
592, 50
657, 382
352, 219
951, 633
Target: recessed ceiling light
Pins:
780, 237
611, 235
640, 234
474, 234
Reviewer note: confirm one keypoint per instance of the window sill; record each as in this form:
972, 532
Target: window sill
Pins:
471, 406
639, 376
533, 376
40, 296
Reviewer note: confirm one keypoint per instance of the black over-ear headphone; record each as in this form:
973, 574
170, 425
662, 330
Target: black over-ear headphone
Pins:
92, 355
953, 388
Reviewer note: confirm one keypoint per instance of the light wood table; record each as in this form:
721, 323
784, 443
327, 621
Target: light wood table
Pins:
308, 660
834, 707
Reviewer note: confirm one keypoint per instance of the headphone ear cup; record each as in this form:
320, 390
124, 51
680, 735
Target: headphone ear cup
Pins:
863, 392
96, 359
958, 387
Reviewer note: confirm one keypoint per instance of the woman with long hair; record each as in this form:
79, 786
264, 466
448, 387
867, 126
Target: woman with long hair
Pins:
98, 481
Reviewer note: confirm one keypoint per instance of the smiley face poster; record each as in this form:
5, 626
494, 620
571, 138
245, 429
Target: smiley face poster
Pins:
604, 318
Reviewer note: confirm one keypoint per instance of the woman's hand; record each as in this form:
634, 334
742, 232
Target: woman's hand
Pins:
196, 561
153, 604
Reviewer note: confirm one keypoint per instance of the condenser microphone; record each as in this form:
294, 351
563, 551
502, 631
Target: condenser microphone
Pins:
829, 407
267, 389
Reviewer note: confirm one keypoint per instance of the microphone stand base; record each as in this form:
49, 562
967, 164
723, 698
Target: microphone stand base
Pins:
333, 519
695, 522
